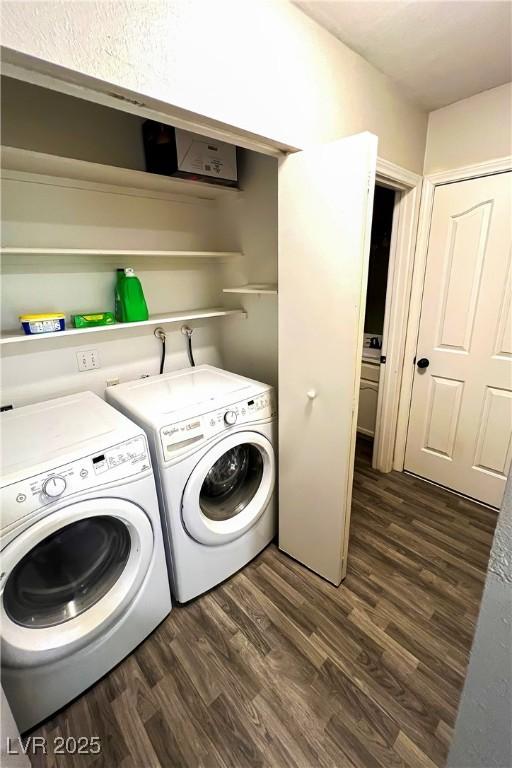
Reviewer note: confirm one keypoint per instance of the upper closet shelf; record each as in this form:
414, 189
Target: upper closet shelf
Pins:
268, 288
14, 337
6, 250
27, 161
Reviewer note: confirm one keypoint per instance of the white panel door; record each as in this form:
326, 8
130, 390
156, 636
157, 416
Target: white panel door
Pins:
325, 209
460, 427
367, 413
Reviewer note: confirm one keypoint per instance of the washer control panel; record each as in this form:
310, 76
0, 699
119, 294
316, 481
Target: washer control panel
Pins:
178, 438
115, 463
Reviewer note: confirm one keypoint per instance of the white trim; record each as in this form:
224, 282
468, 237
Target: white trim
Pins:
398, 176
488, 168
427, 198
401, 257
499, 165
21, 66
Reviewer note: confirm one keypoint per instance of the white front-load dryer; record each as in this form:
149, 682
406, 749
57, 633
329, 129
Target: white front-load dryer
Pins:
84, 577
212, 436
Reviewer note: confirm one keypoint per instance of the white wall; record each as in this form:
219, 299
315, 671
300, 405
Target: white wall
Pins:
37, 214
50, 370
470, 131
48, 121
259, 65
250, 348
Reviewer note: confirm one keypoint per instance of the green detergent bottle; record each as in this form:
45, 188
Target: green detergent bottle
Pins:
133, 307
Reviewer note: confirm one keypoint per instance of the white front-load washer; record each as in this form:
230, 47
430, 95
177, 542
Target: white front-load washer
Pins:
212, 437
84, 576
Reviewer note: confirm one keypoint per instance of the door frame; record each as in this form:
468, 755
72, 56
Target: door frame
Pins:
407, 187
464, 173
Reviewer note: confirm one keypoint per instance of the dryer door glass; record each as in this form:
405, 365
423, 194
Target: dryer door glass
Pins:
232, 482
67, 572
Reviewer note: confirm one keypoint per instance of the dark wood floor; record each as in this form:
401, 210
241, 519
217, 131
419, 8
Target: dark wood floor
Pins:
278, 668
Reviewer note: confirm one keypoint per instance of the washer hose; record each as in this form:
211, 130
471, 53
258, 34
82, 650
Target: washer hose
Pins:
187, 331
162, 359
160, 334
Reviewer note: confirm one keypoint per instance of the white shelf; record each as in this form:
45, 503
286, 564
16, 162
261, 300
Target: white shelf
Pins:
16, 337
266, 288
27, 161
17, 251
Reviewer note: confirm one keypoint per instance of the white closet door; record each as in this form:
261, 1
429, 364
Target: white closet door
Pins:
460, 425
325, 211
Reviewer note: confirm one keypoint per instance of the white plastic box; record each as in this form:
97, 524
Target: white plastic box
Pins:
204, 156
175, 152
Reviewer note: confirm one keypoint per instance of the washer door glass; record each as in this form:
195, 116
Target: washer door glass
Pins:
232, 482
229, 488
69, 576
66, 573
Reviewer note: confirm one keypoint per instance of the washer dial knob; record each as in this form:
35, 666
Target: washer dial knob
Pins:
230, 418
54, 486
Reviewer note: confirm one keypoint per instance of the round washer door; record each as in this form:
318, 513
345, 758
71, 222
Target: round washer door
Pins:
229, 488
67, 577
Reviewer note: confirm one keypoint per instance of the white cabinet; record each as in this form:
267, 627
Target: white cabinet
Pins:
368, 396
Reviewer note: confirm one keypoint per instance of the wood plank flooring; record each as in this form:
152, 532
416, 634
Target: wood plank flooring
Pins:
278, 668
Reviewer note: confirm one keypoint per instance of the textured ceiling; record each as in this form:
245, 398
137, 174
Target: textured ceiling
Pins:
438, 52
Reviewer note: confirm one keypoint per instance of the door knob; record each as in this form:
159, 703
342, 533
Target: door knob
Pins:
423, 362
311, 393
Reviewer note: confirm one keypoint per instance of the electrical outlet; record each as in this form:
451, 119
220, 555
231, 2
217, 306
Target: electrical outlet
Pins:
88, 359
112, 382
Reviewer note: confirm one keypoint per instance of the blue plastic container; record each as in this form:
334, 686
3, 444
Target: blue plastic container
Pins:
47, 323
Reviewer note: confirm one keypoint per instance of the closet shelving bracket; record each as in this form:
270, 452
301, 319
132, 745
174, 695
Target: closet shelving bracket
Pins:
256, 288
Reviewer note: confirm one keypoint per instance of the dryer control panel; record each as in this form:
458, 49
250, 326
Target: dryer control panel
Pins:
115, 463
180, 437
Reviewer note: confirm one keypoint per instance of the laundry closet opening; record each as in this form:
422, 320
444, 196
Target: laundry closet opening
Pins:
78, 203
374, 341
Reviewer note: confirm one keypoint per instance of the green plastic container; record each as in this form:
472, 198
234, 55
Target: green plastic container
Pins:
93, 320
132, 304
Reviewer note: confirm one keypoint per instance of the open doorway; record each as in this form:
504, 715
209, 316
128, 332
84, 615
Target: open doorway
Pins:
378, 270
383, 357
